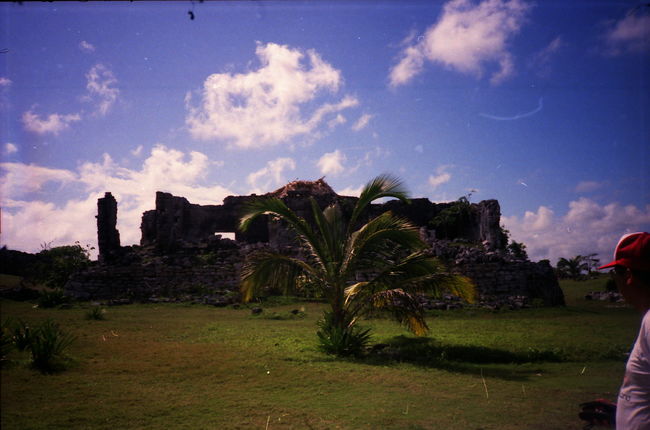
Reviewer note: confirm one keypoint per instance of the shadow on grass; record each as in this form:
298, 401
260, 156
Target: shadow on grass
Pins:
427, 352
473, 360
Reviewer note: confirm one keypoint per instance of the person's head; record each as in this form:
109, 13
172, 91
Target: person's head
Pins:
631, 266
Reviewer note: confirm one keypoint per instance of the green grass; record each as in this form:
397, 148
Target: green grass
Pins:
199, 367
9, 281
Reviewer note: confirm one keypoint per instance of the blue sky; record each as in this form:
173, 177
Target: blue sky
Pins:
543, 106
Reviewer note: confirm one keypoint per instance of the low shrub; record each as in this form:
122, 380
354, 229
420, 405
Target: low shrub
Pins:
6, 341
21, 335
350, 340
96, 313
48, 345
288, 315
53, 298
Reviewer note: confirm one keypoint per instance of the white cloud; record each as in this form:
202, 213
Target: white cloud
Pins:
164, 170
338, 120
331, 163
419, 149
628, 35
351, 191
588, 227
19, 178
271, 176
10, 148
5, 82
541, 61
267, 106
375, 153
86, 47
362, 122
101, 88
465, 39
54, 123
441, 177
587, 186
137, 151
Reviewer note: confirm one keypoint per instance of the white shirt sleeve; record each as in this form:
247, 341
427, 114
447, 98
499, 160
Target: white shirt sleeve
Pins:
633, 406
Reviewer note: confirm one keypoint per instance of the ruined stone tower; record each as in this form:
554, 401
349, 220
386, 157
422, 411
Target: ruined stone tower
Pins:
108, 237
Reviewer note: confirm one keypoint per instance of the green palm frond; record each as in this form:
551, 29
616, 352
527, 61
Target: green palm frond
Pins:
330, 225
422, 273
405, 308
380, 236
276, 207
273, 270
381, 186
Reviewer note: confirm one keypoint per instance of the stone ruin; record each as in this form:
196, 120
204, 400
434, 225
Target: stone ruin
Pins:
183, 255
108, 238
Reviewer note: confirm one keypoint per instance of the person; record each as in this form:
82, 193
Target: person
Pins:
631, 272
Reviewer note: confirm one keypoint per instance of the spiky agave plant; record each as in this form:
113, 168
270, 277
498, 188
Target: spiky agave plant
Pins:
386, 248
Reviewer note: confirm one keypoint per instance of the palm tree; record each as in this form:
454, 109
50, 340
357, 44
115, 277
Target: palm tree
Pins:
572, 267
386, 252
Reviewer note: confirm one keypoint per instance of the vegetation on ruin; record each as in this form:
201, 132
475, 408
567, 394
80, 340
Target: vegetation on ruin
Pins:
448, 222
386, 249
194, 366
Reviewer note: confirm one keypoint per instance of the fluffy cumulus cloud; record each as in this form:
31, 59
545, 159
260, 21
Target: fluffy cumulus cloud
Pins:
587, 227
270, 176
53, 123
331, 163
5, 82
101, 88
273, 104
466, 38
628, 35
164, 170
441, 177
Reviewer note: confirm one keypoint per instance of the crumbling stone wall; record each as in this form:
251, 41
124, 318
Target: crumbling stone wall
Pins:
141, 273
175, 222
181, 255
498, 274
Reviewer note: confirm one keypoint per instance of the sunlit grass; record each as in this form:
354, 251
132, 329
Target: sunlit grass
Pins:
191, 366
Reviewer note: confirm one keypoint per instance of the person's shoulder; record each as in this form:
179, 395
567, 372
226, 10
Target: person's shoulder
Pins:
645, 323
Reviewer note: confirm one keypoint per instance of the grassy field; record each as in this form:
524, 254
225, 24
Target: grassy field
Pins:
197, 367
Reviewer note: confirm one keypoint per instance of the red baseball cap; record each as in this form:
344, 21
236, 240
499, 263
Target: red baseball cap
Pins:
632, 251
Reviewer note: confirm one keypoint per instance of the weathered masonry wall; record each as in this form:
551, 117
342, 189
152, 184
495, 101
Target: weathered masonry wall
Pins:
175, 222
141, 274
181, 253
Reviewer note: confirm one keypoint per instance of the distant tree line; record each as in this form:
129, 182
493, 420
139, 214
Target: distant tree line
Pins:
52, 266
578, 268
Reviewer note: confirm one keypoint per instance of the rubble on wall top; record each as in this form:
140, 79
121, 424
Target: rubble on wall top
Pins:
318, 187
